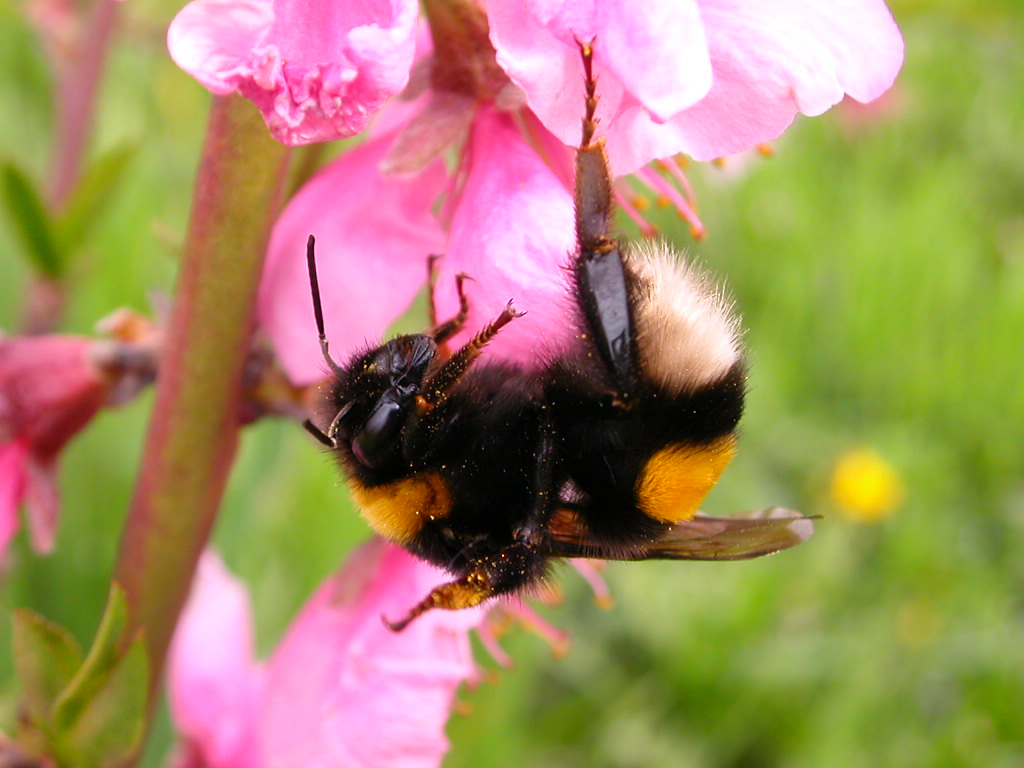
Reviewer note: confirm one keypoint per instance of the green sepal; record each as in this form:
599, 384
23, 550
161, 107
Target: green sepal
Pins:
91, 195
46, 658
93, 673
86, 712
108, 730
31, 220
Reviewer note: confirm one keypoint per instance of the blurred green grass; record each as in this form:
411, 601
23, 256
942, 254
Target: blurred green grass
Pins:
879, 264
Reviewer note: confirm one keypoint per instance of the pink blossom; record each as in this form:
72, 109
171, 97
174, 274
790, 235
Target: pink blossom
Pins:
215, 683
513, 233
316, 69
340, 690
49, 389
707, 78
704, 77
373, 233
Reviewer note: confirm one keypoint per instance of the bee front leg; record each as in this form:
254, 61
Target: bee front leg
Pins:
437, 384
441, 332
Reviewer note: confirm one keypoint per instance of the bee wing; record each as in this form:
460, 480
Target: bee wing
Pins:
701, 538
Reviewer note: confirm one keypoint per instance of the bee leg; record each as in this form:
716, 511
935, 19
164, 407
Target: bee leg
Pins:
436, 387
530, 532
472, 589
432, 260
593, 179
602, 289
443, 331
602, 283
506, 571
511, 567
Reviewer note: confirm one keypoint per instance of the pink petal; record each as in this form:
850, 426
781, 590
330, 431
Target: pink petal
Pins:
768, 62
316, 69
14, 455
373, 236
213, 39
674, 71
344, 691
513, 233
651, 52
214, 685
442, 122
42, 504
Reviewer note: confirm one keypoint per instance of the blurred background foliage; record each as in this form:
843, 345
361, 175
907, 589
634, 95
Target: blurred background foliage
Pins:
878, 258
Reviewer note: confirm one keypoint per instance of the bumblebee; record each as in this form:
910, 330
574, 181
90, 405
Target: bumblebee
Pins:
491, 471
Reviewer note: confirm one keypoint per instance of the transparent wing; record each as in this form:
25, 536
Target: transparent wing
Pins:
702, 538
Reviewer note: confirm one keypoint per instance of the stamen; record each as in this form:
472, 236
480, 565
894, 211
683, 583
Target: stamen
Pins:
488, 632
675, 170
588, 569
556, 638
633, 205
663, 188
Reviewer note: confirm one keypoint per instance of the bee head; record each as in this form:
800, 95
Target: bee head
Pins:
376, 395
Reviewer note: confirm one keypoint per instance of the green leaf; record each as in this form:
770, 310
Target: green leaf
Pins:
31, 221
109, 730
92, 193
46, 658
93, 673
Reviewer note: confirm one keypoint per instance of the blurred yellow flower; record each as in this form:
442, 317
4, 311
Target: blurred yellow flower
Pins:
865, 486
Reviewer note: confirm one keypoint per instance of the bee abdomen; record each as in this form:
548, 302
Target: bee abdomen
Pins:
676, 478
687, 335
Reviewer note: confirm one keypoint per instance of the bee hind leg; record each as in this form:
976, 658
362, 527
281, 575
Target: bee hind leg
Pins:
603, 283
503, 572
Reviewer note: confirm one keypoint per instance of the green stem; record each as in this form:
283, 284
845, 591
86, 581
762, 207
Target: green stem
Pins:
78, 73
78, 82
194, 427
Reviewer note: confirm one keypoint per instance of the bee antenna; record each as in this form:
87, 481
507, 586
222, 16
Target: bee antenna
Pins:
318, 311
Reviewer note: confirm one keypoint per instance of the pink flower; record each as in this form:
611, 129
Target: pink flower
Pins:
373, 236
316, 69
704, 77
49, 389
214, 681
340, 690
513, 233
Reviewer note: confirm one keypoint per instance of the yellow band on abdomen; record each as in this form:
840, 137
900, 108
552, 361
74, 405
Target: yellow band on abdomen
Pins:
676, 479
398, 511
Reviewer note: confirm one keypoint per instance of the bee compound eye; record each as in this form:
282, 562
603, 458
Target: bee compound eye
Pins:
374, 442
